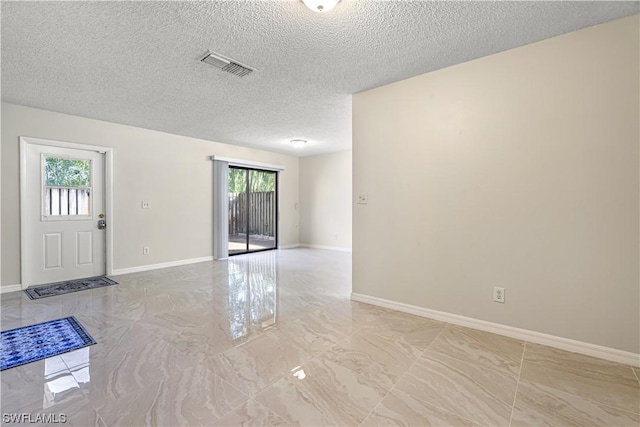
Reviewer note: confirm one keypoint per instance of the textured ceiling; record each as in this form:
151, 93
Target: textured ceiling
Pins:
136, 63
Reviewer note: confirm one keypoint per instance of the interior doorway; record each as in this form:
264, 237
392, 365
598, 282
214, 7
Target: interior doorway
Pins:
253, 207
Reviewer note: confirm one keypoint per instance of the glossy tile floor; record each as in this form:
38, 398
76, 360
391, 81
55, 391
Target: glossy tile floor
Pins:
272, 339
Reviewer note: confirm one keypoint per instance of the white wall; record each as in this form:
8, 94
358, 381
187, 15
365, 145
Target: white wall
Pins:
517, 170
325, 200
150, 165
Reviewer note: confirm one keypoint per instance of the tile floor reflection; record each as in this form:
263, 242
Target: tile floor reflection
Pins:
65, 372
272, 339
252, 295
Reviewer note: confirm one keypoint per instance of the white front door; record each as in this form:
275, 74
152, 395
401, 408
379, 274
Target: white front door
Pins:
64, 203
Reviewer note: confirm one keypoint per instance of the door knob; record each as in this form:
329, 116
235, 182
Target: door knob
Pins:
102, 224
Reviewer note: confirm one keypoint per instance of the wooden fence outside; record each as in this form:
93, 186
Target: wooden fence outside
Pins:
67, 201
262, 213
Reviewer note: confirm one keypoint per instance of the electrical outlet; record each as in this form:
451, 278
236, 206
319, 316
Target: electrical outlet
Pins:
363, 199
498, 294
146, 204
146, 250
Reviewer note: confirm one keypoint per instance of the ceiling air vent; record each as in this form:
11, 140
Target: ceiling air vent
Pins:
225, 64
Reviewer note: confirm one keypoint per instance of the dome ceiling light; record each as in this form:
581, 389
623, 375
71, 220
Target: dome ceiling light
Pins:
298, 143
321, 6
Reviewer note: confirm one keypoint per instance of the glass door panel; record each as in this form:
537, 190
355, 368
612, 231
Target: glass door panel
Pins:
262, 212
253, 207
237, 210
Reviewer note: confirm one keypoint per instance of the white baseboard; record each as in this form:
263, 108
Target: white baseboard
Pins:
329, 248
295, 245
140, 268
581, 347
312, 246
10, 288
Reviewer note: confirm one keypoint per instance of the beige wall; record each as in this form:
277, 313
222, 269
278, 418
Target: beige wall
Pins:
325, 200
517, 170
152, 165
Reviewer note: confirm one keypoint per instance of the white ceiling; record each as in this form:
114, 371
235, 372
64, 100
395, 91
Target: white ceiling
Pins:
136, 63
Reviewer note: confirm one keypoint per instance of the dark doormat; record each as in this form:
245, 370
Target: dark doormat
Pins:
59, 288
30, 343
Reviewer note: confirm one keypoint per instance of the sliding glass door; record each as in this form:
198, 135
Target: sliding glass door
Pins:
253, 207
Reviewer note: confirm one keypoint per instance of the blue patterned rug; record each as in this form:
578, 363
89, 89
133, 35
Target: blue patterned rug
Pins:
59, 288
30, 343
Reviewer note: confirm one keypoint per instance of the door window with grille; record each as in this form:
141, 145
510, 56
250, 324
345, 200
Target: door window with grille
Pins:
67, 186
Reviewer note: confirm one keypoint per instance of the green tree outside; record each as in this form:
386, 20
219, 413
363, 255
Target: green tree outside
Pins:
67, 172
259, 181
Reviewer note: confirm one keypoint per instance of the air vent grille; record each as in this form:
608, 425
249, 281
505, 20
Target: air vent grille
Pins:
237, 69
228, 65
215, 61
